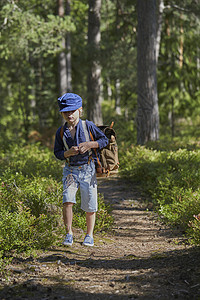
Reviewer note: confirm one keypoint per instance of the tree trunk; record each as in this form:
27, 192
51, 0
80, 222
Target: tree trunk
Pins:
159, 27
181, 45
68, 58
147, 111
62, 64
94, 112
118, 98
109, 89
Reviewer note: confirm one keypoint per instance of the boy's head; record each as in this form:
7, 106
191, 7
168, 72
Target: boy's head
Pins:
69, 102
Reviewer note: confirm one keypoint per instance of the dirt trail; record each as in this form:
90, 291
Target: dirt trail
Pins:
140, 259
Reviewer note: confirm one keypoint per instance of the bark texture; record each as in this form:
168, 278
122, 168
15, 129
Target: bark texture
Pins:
68, 48
147, 111
62, 64
94, 112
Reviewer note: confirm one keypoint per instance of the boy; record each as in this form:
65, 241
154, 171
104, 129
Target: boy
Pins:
79, 171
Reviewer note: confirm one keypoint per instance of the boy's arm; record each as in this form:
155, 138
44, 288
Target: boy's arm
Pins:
59, 146
97, 135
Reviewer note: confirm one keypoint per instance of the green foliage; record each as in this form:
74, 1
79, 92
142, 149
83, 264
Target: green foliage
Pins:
125, 129
30, 42
20, 230
29, 65
30, 160
172, 178
194, 230
30, 203
118, 45
30, 34
178, 67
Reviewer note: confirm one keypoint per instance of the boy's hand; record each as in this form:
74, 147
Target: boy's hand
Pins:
84, 147
74, 150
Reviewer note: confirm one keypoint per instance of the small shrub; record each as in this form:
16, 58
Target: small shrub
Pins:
4, 262
193, 230
22, 231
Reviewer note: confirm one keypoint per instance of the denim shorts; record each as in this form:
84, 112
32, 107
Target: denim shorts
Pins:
84, 177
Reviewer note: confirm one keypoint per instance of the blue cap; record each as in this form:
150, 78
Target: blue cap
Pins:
69, 102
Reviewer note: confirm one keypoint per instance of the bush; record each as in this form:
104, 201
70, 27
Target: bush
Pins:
32, 161
29, 213
194, 230
22, 231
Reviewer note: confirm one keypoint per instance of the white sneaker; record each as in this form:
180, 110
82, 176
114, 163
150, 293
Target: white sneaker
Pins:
68, 241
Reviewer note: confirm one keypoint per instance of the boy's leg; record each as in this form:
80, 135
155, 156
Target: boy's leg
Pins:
68, 216
88, 189
70, 187
90, 221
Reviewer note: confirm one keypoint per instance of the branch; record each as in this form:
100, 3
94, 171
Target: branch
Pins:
177, 7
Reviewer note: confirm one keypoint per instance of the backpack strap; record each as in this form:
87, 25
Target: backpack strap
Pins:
64, 141
85, 131
100, 171
63, 138
86, 134
95, 151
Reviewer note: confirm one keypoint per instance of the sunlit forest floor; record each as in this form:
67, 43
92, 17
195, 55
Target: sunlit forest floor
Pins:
139, 259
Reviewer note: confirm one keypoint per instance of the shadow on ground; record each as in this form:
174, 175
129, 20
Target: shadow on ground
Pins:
168, 275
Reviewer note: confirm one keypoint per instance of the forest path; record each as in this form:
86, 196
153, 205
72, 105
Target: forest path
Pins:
140, 259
